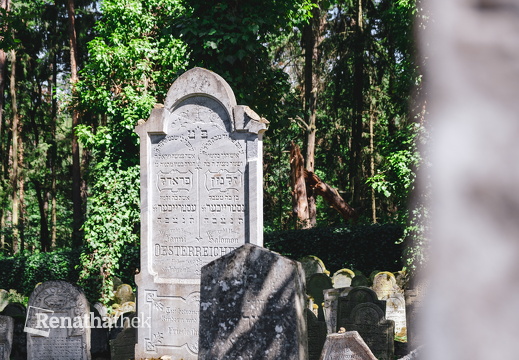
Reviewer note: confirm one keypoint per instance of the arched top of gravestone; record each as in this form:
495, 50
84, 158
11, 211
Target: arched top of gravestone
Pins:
58, 295
367, 313
384, 284
316, 284
312, 265
342, 278
200, 82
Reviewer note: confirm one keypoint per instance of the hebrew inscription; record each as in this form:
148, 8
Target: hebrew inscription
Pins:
198, 195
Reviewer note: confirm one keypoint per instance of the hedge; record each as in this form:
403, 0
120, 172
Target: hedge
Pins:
363, 247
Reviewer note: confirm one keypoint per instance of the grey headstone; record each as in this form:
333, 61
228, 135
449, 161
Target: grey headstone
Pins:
331, 300
346, 346
6, 336
57, 323
252, 307
312, 265
123, 346
18, 312
315, 287
414, 300
342, 278
201, 198
378, 333
316, 335
124, 293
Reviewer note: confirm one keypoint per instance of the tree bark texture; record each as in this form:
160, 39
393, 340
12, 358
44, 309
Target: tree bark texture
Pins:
76, 164
298, 184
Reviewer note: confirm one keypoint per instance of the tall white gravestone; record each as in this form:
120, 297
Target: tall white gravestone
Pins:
201, 198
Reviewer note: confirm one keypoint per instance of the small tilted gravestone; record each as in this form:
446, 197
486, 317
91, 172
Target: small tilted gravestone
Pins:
57, 323
361, 311
123, 294
252, 306
346, 346
201, 198
6, 336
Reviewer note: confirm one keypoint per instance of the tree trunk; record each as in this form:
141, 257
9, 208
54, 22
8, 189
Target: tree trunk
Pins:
15, 246
358, 107
298, 184
53, 154
45, 241
76, 164
4, 4
312, 37
372, 163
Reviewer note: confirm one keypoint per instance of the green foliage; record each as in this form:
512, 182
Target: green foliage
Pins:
133, 61
362, 247
23, 273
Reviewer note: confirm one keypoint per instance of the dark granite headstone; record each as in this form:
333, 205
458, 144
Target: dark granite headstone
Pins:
123, 346
252, 304
316, 335
346, 346
315, 287
356, 296
378, 333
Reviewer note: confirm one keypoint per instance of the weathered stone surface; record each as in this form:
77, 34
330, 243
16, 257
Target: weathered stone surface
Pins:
201, 198
356, 296
316, 335
384, 285
312, 265
66, 333
378, 333
123, 346
3, 299
252, 307
342, 278
124, 293
315, 287
331, 300
346, 346
414, 300
6, 336
395, 310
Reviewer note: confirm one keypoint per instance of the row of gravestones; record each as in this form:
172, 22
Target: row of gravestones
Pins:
252, 303
59, 323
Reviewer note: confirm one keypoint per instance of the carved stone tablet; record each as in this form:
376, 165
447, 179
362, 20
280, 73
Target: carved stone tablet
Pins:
57, 324
316, 335
252, 306
6, 336
346, 346
201, 186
